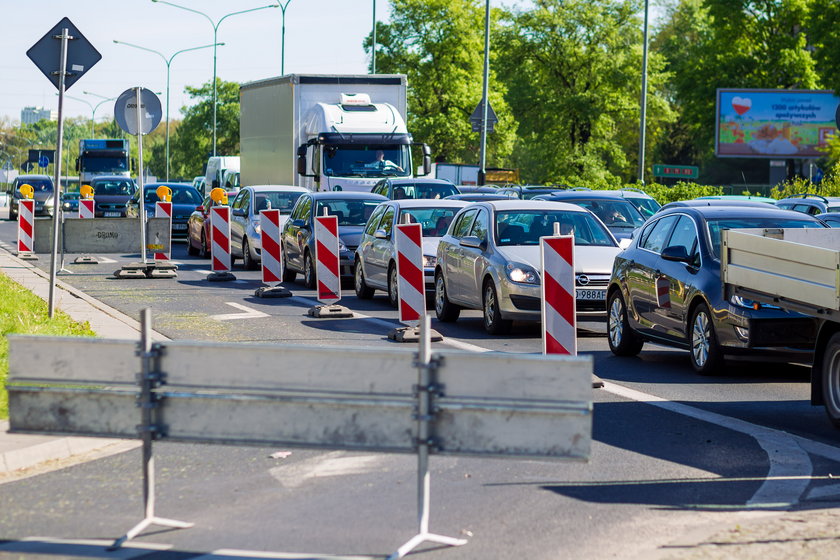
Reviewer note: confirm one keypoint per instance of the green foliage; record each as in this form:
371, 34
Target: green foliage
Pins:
439, 45
680, 191
22, 312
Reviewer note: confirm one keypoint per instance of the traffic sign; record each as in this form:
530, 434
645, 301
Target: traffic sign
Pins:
125, 111
43, 161
46, 54
676, 171
478, 116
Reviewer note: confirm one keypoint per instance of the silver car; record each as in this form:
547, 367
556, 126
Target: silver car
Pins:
376, 256
490, 260
245, 234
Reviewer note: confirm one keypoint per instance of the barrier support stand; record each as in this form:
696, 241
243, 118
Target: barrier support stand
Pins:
61, 267
149, 378
427, 388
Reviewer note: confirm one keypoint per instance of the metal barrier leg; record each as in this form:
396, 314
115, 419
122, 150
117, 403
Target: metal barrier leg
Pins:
425, 416
148, 379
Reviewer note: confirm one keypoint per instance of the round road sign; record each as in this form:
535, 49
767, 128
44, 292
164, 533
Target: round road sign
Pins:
125, 111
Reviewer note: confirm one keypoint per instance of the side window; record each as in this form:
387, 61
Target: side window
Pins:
373, 221
685, 235
481, 225
302, 209
241, 200
654, 240
380, 188
387, 221
462, 226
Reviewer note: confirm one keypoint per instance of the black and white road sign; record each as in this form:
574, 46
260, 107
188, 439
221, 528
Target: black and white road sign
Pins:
46, 54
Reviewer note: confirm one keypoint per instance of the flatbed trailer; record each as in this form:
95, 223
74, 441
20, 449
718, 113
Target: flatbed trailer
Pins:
797, 270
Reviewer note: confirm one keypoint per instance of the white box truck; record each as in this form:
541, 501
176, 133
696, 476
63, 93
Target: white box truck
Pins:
325, 132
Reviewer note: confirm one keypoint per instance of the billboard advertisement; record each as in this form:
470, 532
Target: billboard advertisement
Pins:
774, 123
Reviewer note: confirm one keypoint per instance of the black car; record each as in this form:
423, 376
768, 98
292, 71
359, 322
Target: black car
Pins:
111, 193
352, 209
666, 288
619, 215
185, 199
399, 189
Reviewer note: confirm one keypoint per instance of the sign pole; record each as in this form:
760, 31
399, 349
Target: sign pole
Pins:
64, 37
482, 159
142, 201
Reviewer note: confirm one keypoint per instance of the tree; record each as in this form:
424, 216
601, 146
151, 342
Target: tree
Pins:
439, 45
192, 141
824, 39
573, 69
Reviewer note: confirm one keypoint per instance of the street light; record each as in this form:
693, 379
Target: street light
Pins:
215, 33
643, 101
283, 37
168, 62
93, 108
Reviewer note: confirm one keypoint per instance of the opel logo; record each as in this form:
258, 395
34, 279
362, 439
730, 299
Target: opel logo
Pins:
582, 279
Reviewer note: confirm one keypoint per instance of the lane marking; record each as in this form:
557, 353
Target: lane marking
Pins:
247, 313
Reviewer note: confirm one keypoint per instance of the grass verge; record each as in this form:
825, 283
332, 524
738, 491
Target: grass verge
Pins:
22, 312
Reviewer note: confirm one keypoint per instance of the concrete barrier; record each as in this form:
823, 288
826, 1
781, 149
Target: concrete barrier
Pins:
103, 235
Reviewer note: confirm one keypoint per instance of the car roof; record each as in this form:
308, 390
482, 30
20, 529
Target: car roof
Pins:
629, 193
477, 196
27, 177
427, 203
347, 195
519, 204
716, 202
112, 177
584, 195
759, 210
275, 188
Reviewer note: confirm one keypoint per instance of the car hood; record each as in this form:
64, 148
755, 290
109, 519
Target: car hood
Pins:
351, 235
43, 195
111, 198
591, 260
430, 245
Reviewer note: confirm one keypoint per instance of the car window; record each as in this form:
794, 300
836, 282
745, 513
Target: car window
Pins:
241, 200
387, 221
381, 188
350, 212
305, 209
462, 226
656, 234
685, 235
435, 221
373, 221
283, 201
525, 227
481, 225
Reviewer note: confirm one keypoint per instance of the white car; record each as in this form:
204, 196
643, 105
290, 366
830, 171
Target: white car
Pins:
376, 256
245, 234
490, 260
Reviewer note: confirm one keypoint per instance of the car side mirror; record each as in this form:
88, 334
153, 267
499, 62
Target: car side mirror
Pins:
380, 234
473, 242
238, 212
676, 253
199, 208
299, 223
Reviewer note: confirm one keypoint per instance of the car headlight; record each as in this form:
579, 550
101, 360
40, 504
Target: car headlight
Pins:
341, 245
739, 301
429, 261
522, 274
257, 228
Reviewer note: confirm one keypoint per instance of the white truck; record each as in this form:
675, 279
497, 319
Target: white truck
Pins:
325, 132
797, 270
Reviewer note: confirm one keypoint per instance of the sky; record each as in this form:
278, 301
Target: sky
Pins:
322, 36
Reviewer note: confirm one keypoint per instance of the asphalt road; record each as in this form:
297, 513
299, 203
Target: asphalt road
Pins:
672, 452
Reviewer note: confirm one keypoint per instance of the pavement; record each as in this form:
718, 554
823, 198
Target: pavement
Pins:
764, 535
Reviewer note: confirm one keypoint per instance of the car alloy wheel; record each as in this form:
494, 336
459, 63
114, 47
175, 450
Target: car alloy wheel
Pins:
393, 295
445, 310
363, 291
248, 262
621, 338
493, 322
706, 355
308, 272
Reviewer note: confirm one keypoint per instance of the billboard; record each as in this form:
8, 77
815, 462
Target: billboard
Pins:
774, 123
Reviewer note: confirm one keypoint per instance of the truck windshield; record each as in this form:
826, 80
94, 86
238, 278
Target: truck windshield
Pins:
347, 160
104, 164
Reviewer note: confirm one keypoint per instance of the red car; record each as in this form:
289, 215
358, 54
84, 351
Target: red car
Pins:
198, 230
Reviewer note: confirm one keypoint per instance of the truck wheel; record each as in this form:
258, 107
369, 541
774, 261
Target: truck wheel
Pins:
308, 272
706, 354
393, 279
831, 379
621, 338
363, 291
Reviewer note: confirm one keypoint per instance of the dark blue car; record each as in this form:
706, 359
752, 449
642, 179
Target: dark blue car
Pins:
185, 199
666, 288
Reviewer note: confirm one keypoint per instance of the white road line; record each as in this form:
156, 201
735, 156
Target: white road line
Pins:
248, 313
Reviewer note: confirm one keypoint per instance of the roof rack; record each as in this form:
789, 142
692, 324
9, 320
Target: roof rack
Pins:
808, 195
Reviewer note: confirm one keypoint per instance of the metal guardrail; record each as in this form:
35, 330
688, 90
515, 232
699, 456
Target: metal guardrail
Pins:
490, 404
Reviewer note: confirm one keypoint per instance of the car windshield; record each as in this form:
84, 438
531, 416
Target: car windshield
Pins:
104, 164
367, 161
617, 213
423, 190
180, 195
115, 187
282, 201
350, 212
525, 227
715, 226
435, 221
646, 206
38, 185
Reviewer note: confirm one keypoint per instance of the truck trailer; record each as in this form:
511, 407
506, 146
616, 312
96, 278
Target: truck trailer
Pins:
797, 270
325, 132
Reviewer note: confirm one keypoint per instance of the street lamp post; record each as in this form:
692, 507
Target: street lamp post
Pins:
168, 62
643, 102
283, 36
93, 108
215, 33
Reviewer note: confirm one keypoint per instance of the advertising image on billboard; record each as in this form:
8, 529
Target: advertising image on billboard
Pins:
774, 123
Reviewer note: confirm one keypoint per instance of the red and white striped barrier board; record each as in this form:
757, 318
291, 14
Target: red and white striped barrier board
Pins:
26, 225
164, 210
272, 264
663, 291
326, 259
411, 285
558, 295
220, 238
86, 207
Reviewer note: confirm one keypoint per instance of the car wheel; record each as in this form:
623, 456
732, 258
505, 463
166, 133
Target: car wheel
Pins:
445, 310
621, 338
205, 247
288, 274
393, 281
706, 354
493, 321
363, 291
831, 380
191, 249
308, 272
248, 262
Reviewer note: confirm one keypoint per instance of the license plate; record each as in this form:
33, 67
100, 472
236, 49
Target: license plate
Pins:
112, 214
590, 295
179, 226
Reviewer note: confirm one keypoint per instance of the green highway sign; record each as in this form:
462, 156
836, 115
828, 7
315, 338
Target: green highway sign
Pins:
676, 171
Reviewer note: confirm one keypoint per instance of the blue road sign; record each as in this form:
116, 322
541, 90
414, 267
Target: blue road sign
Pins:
43, 161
